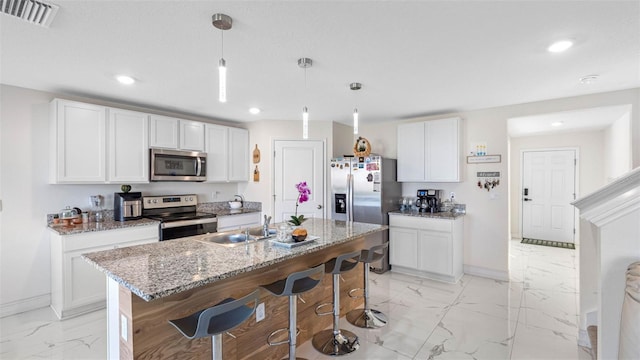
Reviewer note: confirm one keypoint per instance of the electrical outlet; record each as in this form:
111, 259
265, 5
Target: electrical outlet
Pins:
452, 195
124, 333
260, 312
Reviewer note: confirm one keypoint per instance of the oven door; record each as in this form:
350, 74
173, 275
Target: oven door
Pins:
174, 165
183, 228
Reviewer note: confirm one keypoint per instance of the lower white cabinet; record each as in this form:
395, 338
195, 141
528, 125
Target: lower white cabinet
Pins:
240, 221
76, 286
428, 247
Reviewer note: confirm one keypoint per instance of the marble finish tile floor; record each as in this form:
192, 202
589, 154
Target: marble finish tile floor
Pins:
533, 316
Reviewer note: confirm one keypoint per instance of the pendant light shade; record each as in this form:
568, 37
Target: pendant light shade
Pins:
305, 123
355, 121
222, 22
355, 86
305, 63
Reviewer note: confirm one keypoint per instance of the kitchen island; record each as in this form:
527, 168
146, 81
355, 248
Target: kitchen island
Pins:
151, 284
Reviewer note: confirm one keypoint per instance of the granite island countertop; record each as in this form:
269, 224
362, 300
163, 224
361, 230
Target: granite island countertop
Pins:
157, 270
436, 215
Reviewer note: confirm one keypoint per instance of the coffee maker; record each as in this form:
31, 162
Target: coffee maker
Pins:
127, 206
428, 200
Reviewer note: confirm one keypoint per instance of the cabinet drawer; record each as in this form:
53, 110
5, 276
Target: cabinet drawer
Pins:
419, 223
235, 221
109, 237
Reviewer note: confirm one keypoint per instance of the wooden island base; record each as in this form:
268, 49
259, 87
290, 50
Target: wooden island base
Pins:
150, 336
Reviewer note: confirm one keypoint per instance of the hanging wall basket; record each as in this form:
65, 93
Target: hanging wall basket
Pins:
362, 147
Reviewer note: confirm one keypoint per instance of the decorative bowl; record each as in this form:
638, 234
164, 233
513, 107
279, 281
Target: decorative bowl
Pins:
235, 204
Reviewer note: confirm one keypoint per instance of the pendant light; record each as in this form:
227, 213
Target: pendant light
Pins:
305, 63
222, 22
355, 86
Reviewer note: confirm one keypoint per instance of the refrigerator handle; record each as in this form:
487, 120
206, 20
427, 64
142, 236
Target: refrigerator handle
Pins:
349, 197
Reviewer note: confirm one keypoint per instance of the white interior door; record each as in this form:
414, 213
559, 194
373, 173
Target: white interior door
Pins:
548, 187
296, 161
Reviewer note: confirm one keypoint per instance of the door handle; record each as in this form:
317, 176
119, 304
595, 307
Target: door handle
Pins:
319, 207
527, 199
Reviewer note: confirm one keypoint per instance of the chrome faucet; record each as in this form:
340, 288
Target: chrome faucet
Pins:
265, 226
241, 199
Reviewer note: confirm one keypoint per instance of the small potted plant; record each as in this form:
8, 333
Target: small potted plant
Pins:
303, 196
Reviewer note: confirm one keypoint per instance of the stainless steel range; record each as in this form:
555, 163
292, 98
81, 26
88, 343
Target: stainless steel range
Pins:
178, 216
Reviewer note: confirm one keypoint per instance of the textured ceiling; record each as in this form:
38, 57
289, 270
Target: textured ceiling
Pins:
413, 58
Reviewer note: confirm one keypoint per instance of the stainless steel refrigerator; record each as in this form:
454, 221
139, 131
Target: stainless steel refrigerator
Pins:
364, 189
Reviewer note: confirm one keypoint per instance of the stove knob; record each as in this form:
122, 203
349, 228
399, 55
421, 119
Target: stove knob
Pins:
155, 201
190, 198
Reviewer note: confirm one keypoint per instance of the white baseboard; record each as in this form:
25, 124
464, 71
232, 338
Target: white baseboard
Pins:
20, 306
486, 273
583, 338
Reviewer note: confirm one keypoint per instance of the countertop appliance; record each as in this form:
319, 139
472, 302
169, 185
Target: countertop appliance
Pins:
428, 200
178, 216
127, 206
364, 189
177, 165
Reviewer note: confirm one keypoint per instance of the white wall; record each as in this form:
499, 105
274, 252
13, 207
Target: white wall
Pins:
343, 140
264, 133
590, 164
27, 197
617, 148
488, 220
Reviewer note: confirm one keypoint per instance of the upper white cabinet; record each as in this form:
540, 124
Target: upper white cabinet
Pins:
227, 151
163, 132
77, 143
178, 134
191, 135
429, 151
93, 144
128, 146
238, 154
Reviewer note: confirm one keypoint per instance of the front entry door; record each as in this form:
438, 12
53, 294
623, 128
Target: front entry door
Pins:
548, 188
296, 161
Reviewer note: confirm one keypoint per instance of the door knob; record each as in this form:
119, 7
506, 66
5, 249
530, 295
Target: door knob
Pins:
319, 206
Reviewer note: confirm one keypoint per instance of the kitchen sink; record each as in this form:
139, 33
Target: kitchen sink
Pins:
236, 238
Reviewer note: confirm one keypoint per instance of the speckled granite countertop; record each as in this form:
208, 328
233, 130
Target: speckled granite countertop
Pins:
437, 215
161, 269
107, 224
219, 208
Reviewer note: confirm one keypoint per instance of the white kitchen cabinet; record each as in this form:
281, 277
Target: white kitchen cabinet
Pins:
77, 143
178, 134
128, 139
191, 135
227, 151
429, 151
238, 154
404, 248
163, 132
76, 286
239, 221
427, 247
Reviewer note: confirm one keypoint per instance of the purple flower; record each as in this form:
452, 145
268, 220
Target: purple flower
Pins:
303, 196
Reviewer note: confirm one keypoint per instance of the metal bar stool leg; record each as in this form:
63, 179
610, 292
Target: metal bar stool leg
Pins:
368, 318
336, 341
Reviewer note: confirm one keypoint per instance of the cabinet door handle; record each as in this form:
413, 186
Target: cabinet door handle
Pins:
527, 199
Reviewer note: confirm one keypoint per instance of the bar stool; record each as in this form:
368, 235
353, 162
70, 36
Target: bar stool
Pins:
368, 318
337, 341
294, 284
216, 320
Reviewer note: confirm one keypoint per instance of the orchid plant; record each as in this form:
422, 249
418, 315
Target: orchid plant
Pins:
303, 196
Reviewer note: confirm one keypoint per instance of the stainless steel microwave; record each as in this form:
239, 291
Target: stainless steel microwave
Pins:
177, 165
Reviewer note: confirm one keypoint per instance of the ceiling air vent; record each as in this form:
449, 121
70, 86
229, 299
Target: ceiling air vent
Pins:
36, 12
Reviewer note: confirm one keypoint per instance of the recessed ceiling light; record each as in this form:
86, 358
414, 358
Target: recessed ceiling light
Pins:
560, 46
254, 110
589, 79
557, 123
125, 79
